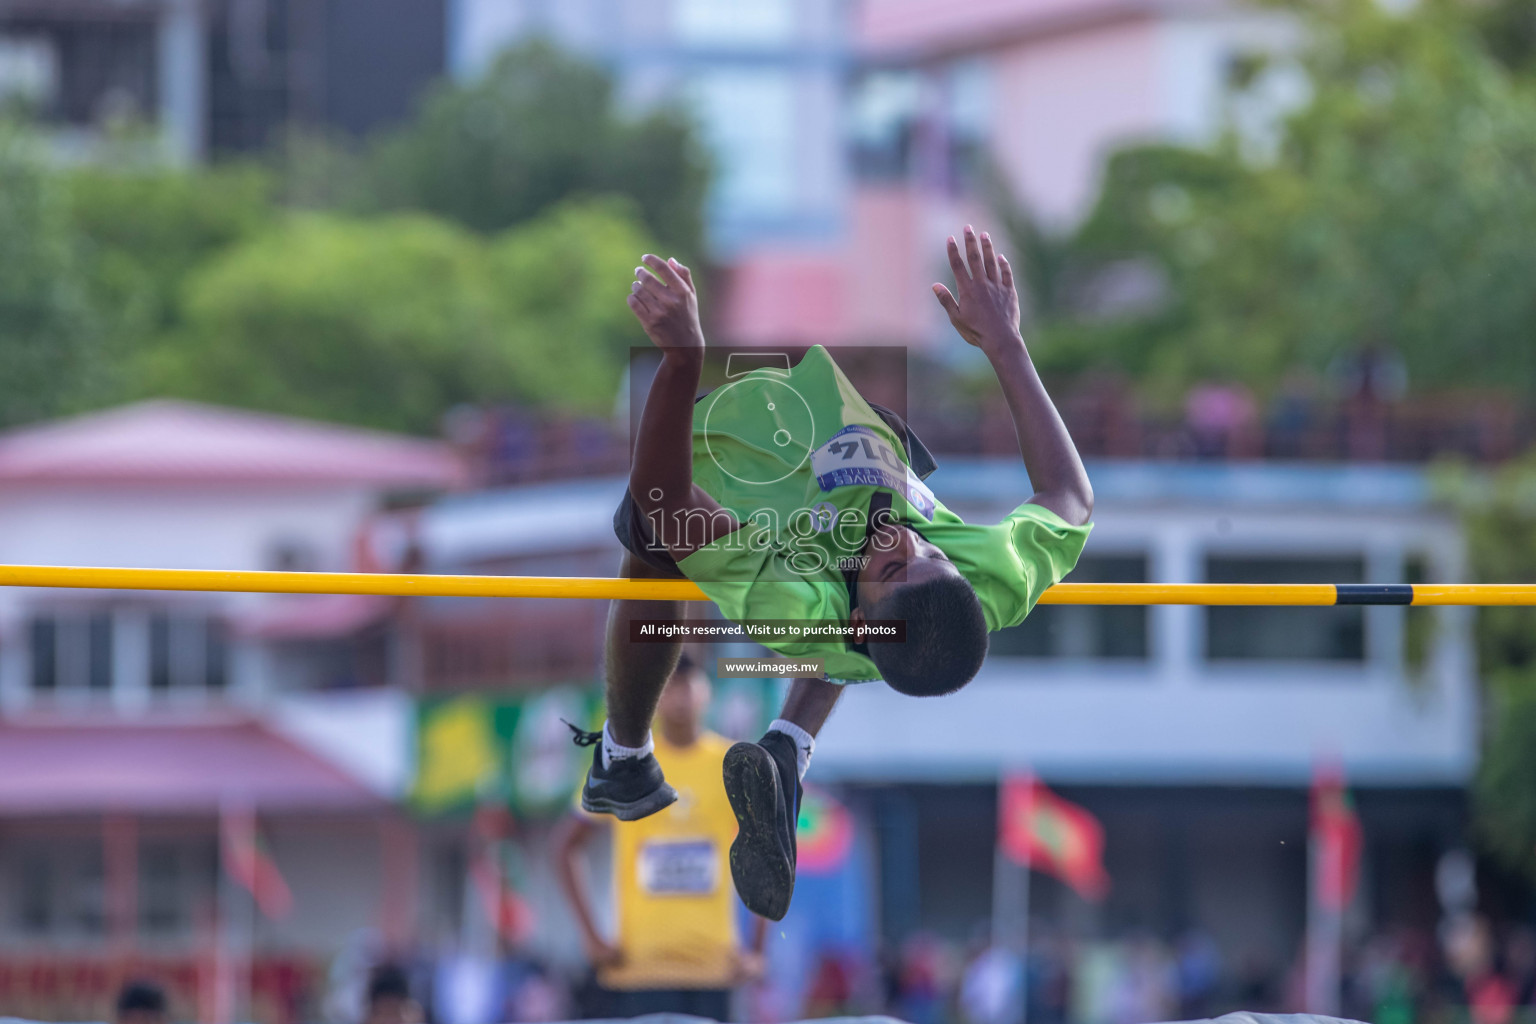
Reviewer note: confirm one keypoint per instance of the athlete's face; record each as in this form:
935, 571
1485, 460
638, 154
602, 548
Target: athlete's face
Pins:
898, 557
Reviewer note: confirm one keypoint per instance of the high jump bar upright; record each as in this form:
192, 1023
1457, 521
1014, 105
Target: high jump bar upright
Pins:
596, 588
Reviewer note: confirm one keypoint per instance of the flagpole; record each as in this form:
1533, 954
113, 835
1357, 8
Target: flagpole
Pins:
1332, 860
1024, 880
1325, 941
1010, 899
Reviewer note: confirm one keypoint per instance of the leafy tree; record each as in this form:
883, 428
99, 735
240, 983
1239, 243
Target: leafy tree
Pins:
389, 322
1396, 212
50, 341
144, 229
1500, 517
562, 280
538, 127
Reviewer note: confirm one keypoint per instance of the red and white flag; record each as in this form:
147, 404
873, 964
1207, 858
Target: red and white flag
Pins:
1336, 839
1038, 829
247, 861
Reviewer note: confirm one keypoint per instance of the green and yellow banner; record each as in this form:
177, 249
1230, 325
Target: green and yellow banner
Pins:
510, 749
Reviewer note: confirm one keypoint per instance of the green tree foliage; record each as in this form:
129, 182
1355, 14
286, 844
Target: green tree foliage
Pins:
1397, 212
143, 230
391, 321
1500, 517
538, 127
50, 344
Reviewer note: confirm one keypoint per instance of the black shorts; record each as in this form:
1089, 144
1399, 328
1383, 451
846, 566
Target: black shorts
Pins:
634, 530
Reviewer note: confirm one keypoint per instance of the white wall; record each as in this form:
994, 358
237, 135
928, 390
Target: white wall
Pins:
1177, 718
172, 527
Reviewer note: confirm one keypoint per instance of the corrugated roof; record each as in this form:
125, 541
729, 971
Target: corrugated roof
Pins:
71, 767
176, 441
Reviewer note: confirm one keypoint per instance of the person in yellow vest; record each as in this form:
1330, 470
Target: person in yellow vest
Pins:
676, 947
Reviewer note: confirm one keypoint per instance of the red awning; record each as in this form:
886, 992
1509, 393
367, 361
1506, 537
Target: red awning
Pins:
65, 767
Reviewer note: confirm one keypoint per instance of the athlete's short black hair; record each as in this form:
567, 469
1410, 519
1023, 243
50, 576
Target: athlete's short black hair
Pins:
141, 996
946, 637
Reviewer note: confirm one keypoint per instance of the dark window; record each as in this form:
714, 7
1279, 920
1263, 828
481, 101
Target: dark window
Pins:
160, 889
100, 640
160, 653
1083, 631
34, 894
1285, 634
87, 895
217, 655
104, 67
45, 654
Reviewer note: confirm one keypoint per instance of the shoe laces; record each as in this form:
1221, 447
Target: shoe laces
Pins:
581, 737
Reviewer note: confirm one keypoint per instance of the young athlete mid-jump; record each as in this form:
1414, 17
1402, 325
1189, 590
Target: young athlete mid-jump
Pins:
785, 495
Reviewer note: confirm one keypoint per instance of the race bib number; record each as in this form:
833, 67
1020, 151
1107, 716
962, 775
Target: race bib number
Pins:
858, 457
690, 868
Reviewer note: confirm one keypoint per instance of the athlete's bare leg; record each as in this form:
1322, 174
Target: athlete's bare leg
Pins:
636, 673
809, 703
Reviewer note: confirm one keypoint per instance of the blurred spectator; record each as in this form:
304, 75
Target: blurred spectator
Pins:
1520, 964
1199, 974
676, 948
389, 998
535, 997
1293, 417
142, 1002
992, 987
1147, 984
921, 990
1049, 992
1222, 421
831, 990
1370, 380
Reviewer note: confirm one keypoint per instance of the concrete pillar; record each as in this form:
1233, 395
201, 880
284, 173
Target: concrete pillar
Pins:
130, 660
1177, 631
15, 666
1386, 625
183, 79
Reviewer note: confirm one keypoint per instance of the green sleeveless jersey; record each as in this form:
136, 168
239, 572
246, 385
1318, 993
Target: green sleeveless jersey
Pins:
797, 455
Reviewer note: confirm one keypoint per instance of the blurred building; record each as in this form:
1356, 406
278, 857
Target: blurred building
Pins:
765, 80
851, 136
132, 722
1191, 733
219, 76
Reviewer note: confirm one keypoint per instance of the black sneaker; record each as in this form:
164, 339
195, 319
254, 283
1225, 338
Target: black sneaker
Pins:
762, 780
630, 789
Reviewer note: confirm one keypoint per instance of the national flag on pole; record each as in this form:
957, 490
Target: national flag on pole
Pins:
247, 861
1336, 839
1038, 829
490, 834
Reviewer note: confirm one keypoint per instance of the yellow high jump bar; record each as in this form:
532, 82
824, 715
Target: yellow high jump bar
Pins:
597, 588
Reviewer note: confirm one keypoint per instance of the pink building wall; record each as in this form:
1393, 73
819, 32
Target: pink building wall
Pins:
1060, 99
1061, 103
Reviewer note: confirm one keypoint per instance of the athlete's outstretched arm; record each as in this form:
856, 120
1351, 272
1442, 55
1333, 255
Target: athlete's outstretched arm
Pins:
984, 308
661, 477
570, 836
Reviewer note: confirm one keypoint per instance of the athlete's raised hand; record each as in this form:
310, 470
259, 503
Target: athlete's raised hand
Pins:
984, 306
663, 300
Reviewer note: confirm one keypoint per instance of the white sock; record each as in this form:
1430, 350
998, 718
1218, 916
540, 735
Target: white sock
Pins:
805, 743
613, 750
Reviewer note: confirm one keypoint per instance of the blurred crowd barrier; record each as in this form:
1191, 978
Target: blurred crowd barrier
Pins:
1400, 977
1217, 422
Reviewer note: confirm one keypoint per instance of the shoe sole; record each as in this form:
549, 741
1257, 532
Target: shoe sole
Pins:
761, 867
634, 810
